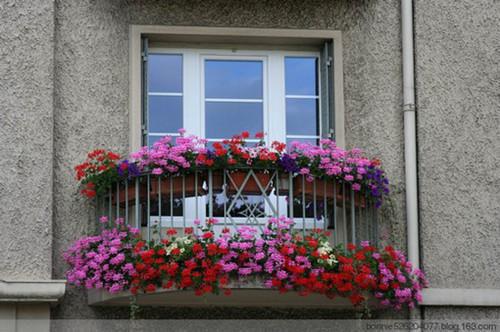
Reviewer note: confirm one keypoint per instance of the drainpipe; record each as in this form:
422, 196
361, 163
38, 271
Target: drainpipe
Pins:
410, 131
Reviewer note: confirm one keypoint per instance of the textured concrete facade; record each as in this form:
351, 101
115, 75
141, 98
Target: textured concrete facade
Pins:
66, 66
26, 142
458, 102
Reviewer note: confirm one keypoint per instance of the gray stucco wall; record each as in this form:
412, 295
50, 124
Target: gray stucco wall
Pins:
26, 121
64, 91
91, 86
458, 102
458, 92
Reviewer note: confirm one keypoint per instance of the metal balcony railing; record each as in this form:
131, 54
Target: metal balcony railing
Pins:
238, 197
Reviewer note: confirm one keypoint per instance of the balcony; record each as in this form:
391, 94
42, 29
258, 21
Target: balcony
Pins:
252, 221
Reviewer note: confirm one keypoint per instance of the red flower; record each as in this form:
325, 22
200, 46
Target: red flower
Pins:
150, 288
351, 246
171, 231
259, 135
188, 230
313, 244
356, 299
197, 248
208, 235
211, 249
245, 134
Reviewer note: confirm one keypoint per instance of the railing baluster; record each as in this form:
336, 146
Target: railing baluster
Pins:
290, 195
210, 194
344, 215
126, 202
117, 201
325, 207
137, 204
110, 207
314, 202
159, 208
171, 201
335, 210
148, 212
224, 188
277, 193
183, 200
102, 210
353, 217
375, 223
303, 204
196, 193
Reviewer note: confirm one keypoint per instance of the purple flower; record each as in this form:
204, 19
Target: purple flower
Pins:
288, 164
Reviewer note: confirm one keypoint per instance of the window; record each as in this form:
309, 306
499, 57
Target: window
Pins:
216, 82
229, 91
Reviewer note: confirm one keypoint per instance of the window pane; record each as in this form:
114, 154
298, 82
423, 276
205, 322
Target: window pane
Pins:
301, 117
165, 114
236, 79
223, 120
165, 73
154, 138
300, 76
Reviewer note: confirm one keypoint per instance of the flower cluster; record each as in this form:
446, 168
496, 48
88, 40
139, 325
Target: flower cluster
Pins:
97, 172
237, 153
328, 160
184, 154
170, 154
104, 261
278, 258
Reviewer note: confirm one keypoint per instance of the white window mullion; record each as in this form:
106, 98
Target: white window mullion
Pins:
191, 97
276, 98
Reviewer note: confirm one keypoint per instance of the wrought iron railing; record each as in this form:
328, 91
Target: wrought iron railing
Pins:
240, 197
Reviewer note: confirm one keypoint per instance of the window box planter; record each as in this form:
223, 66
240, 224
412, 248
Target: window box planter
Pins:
238, 178
309, 187
175, 188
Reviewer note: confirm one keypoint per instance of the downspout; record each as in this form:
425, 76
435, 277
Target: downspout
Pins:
410, 132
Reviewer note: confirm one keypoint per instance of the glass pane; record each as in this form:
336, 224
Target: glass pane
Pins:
236, 79
300, 76
165, 73
301, 116
156, 138
165, 114
223, 120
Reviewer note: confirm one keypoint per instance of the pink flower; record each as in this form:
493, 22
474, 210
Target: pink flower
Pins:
157, 171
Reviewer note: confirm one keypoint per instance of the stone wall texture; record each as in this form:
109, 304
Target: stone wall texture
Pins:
458, 101
64, 69
26, 142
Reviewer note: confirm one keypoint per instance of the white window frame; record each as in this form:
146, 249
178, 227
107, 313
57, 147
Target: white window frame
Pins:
277, 38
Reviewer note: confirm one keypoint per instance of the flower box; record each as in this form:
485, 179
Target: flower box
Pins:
190, 188
238, 178
308, 190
